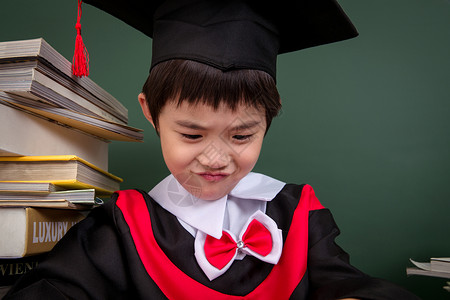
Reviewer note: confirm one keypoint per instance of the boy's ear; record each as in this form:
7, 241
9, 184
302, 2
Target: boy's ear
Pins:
144, 105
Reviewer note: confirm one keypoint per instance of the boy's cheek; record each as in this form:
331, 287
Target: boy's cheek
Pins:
178, 156
250, 152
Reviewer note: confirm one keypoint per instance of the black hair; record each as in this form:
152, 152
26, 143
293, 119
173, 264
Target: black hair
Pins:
194, 82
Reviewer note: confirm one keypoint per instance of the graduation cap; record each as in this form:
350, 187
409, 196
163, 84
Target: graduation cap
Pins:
231, 34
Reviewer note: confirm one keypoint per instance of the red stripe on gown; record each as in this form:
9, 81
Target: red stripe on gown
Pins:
279, 284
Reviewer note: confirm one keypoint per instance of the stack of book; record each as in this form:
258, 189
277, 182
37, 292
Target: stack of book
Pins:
437, 267
55, 129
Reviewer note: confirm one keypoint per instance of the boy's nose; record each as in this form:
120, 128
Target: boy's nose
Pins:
214, 156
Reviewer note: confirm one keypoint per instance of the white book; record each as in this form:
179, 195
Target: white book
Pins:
96, 126
29, 186
437, 267
84, 196
440, 264
422, 272
23, 134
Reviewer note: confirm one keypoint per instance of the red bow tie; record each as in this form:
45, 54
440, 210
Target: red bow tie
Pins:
219, 252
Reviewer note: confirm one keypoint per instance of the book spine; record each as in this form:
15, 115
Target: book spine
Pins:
12, 269
45, 227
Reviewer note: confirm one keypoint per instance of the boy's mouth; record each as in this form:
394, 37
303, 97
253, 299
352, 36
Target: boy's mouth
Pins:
208, 176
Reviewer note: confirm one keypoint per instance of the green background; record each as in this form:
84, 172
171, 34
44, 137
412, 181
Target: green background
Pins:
366, 122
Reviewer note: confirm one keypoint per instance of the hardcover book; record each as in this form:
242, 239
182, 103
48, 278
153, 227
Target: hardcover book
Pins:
11, 269
29, 231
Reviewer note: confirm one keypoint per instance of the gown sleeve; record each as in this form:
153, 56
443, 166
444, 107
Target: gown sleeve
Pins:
330, 272
86, 264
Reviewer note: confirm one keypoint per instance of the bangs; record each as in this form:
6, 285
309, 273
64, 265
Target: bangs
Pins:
197, 83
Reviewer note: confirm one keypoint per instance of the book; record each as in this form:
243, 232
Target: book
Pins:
92, 125
437, 267
422, 272
440, 264
16, 138
50, 203
28, 80
29, 186
76, 199
27, 231
67, 171
39, 49
11, 269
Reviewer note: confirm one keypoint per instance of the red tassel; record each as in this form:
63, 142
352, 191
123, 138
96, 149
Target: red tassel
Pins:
80, 62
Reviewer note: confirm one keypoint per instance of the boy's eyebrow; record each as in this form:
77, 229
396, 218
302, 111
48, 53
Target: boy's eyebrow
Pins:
190, 125
195, 126
244, 125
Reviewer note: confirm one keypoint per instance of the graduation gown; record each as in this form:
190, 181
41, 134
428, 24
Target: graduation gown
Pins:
132, 248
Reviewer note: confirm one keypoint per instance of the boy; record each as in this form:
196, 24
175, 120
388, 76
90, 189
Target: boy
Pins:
211, 229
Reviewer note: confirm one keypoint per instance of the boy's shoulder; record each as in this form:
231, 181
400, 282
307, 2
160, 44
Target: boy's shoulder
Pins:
297, 197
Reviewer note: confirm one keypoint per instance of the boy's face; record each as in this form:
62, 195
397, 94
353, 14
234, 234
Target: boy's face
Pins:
209, 151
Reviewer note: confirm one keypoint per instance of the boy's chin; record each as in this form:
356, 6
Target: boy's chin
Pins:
211, 195
204, 190
214, 191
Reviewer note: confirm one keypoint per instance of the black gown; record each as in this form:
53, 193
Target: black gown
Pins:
132, 248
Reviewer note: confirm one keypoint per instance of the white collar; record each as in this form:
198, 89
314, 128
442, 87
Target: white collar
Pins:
208, 216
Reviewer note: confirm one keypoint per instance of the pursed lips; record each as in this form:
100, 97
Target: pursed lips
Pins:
212, 176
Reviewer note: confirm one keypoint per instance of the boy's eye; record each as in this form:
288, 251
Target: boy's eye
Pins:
191, 136
242, 137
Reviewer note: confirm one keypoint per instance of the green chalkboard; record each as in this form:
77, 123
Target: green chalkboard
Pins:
366, 122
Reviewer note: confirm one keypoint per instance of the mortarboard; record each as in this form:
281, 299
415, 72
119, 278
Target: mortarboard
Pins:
230, 34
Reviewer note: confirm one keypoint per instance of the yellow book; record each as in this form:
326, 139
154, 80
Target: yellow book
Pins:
67, 171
